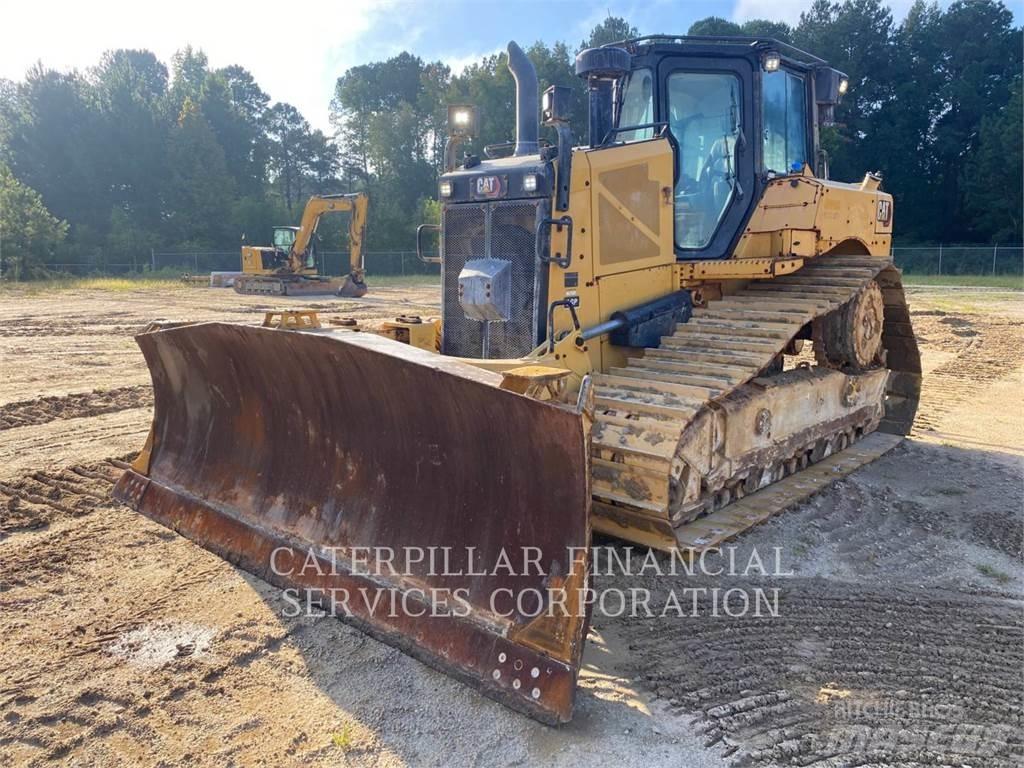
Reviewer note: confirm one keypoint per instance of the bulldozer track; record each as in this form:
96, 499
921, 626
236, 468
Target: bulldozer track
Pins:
42, 410
789, 689
40, 498
644, 408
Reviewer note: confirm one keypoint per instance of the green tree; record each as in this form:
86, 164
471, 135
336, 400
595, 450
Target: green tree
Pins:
53, 131
981, 59
190, 68
200, 191
129, 93
235, 108
29, 233
992, 184
777, 30
714, 26
611, 30
390, 128
288, 133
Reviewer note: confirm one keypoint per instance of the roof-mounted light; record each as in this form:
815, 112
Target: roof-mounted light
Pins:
462, 121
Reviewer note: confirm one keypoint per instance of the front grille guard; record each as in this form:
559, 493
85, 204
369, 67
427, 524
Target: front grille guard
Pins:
504, 230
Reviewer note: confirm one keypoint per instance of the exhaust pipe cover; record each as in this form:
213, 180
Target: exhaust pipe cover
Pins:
527, 101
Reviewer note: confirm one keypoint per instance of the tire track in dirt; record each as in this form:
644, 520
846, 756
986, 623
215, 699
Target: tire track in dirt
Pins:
42, 410
986, 351
37, 500
844, 675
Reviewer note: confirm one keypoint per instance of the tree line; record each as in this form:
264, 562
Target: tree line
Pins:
131, 155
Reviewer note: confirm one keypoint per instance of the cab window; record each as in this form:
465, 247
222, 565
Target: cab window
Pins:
637, 105
785, 121
283, 238
704, 117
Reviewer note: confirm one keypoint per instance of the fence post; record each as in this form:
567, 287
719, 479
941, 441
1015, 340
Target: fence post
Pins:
995, 250
940, 258
195, 261
152, 259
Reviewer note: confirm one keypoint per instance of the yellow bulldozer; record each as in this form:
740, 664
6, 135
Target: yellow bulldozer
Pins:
293, 266
664, 333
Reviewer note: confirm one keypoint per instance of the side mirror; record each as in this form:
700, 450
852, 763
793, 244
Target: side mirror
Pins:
556, 105
830, 85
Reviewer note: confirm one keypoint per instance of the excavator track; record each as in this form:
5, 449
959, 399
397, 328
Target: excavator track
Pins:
264, 285
656, 414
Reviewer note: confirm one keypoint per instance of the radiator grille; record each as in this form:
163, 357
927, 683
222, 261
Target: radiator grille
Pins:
502, 230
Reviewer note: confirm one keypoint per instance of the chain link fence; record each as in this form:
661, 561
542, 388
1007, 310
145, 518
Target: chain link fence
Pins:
204, 262
915, 260
960, 259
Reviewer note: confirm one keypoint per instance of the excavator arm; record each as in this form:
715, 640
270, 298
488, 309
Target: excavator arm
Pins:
316, 207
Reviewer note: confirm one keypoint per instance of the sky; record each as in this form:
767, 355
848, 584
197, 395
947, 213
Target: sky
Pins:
297, 52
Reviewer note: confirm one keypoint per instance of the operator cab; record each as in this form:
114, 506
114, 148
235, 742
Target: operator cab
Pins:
739, 110
736, 112
284, 239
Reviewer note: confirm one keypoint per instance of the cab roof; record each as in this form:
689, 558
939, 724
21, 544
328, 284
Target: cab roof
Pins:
718, 44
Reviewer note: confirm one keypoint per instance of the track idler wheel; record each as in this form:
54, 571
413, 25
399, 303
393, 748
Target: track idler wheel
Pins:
850, 338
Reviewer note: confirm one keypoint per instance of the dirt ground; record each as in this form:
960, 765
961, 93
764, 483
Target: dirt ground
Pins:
898, 639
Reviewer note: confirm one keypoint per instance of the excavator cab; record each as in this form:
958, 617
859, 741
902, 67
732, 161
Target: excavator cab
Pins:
284, 239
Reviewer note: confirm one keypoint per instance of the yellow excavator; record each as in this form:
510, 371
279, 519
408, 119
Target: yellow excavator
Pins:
665, 333
292, 265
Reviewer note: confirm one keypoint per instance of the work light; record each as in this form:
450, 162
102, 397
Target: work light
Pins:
772, 61
462, 121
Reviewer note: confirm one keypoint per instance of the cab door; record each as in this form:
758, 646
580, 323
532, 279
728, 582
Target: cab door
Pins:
708, 105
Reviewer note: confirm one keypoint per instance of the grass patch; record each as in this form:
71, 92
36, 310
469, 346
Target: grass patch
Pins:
993, 573
1009, 282
343, 738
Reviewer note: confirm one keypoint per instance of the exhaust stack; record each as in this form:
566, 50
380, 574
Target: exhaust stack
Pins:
527, 101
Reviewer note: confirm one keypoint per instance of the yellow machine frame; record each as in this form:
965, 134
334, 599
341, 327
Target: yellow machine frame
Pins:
623, 247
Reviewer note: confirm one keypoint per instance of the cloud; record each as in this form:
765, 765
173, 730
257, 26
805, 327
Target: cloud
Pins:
457, 64
293, 57
774, 10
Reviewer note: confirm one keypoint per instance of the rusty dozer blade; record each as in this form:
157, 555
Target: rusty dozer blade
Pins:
449, 516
